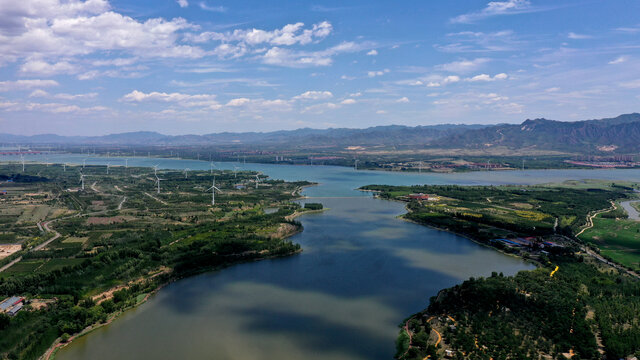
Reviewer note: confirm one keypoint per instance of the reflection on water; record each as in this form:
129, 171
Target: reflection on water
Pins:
362, 271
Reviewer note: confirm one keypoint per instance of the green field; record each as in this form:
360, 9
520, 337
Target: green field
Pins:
617, 239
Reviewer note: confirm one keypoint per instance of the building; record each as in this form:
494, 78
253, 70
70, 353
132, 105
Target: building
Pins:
3, 192
419, 196
11, 305
14, 310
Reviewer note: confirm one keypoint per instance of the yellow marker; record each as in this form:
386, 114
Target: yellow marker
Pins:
554, 271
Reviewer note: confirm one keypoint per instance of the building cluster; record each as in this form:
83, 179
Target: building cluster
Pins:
12, 305
530, 242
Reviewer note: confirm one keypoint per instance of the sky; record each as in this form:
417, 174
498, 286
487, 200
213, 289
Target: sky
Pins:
96, 67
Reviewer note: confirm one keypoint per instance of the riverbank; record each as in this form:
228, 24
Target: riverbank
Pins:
59, 344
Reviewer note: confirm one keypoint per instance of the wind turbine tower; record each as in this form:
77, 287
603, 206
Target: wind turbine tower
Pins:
158, 184
22, 159
213, 189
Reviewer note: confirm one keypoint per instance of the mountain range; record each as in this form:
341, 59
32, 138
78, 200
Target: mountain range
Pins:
620, 134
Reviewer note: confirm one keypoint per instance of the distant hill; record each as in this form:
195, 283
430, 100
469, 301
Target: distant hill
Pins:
380, 135
611, 135
620, 134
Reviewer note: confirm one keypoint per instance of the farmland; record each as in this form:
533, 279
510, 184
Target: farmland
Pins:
617, 239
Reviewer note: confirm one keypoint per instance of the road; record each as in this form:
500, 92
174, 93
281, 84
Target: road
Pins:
122, 203
46, 228
590, 218
156, 199
633, 213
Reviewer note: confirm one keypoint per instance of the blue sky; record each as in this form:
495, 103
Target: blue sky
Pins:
200, 66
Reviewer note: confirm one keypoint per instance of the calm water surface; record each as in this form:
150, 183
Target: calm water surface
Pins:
361, 272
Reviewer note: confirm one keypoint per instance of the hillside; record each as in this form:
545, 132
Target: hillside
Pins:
391, 135
619, 134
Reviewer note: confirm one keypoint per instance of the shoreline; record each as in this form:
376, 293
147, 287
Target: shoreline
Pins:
51, 352
470, 238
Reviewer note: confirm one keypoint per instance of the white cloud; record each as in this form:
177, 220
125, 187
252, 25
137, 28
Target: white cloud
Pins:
238, 102
381, 112
373, 52
377, 73
186, 100
314, 95
320, 108
348, 102
54, 108
26, 84
629, 30
432, 81
463, 66
619, 60
39, 67
299, 59
485, 77
183, 3
62, 96
494, 8
470, 41
634, 84
115, 62
203, 5
576, 36
54, 28
403, 100
288, 35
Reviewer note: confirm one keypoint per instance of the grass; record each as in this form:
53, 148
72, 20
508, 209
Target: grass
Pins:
74, 239
617, 239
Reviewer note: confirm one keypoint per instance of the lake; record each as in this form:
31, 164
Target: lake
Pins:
361, 273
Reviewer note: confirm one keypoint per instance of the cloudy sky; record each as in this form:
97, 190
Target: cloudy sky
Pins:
200, 66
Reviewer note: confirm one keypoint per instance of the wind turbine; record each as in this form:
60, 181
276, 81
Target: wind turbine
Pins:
155, 170
158, 184
355, 164
212, 166
82, 180
84, 162
108, 165
213, 189
257, 180
186, 173
235, 172
22, 159
126, 163
64, 167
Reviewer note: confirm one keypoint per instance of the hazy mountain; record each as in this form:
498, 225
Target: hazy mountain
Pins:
379, 135
619, 134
